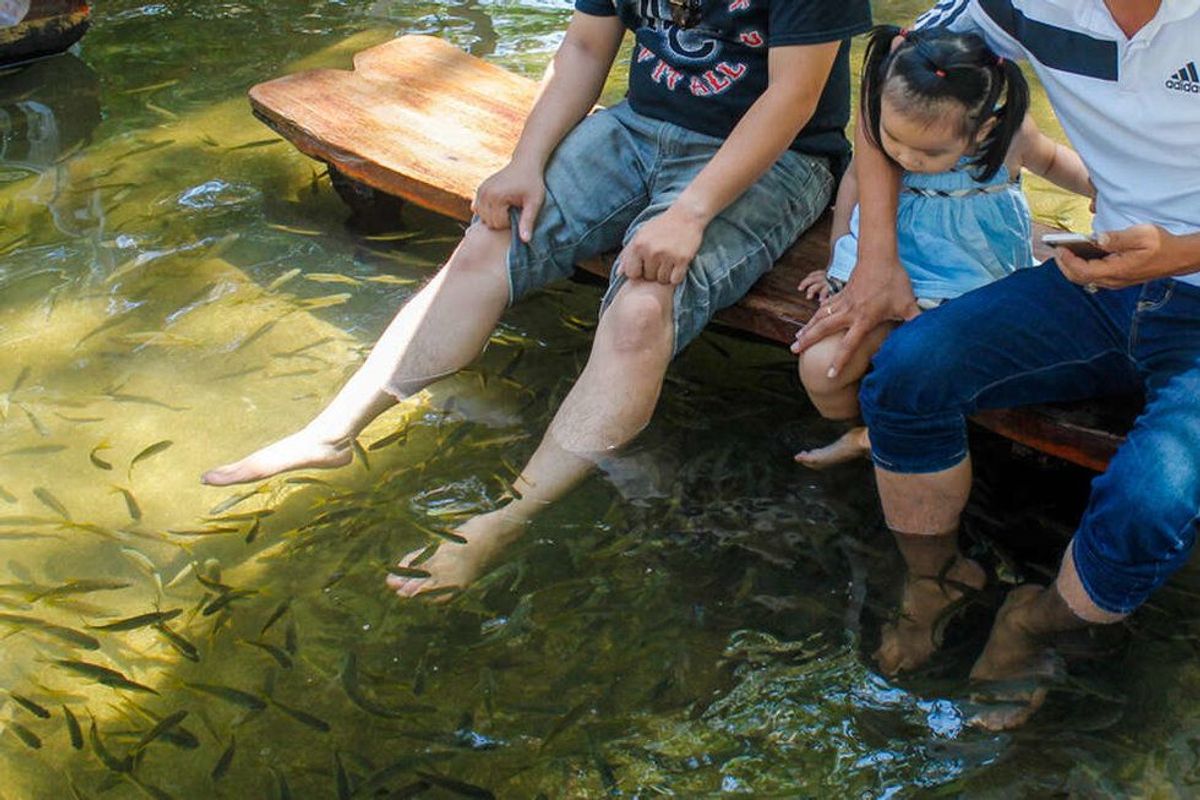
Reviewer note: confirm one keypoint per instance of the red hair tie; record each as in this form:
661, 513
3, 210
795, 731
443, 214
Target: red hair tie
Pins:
941, 73
999, 61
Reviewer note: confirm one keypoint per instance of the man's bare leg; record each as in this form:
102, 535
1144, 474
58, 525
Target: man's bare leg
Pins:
611, 402
1017, 653
923, 511
436, 333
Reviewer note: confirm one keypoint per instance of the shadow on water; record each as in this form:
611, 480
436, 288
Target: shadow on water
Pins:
177, 287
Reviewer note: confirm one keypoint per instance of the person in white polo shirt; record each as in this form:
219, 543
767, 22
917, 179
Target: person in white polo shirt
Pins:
1122, 77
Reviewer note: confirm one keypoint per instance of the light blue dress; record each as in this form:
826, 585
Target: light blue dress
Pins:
954, 233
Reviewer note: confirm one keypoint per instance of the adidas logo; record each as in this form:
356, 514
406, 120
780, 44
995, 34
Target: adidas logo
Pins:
1186, 79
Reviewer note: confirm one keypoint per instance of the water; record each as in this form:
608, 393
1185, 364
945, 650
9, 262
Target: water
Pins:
697, 620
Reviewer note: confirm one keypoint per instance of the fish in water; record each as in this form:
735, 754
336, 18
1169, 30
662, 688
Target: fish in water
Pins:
131, 503
33, 708
281, 656
180, 644
27, 736
303, 717
222, 765
83, 586
139, 621
73, 729
163, 726
147, 452
104, 675
96, 460
106, 758
69, 635
51, 502
349, 678
227, 598
230, 695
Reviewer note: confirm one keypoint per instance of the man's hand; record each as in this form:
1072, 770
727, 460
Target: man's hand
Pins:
872, 296
1136, 255
663, 248
518, 185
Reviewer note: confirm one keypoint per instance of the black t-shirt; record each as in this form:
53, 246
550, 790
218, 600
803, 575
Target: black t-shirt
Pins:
706, 77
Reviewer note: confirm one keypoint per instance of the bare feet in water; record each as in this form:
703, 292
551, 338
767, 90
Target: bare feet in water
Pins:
457, 566
301, 450
1013, 668
909, 642
851, 445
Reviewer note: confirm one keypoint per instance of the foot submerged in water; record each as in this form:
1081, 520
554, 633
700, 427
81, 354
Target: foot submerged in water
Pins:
1013, 669
457, 565
909, 642
851, 445
301, 450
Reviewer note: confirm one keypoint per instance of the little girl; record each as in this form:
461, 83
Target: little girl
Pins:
932, 103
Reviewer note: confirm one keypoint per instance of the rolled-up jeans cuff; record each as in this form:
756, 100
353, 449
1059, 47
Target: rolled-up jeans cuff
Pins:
915, 443
1115, 588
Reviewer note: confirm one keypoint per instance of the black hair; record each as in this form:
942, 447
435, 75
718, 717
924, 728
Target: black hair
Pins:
934, 66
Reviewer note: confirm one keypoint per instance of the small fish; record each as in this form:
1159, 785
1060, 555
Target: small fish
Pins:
349, 679
149, 451
147, 148
204, 531
159, 728
73, 729
256, 143
7, 496
22, 376
51, 502
293, 229
104, 675
328, 301
82, 586
230, 502
154, 87
392, 236
256, 334
166, 112
361, 454
131, 504
222, 766
409, 572
392, 280
449, 536
291, 638
252, 534
27, 736
284, 278
279, 611
285, 791
227, 598
36, 423
391, 438
303, 717
78, 419
125, 397
33, 708
457, 787
140, 621
230, 695
332, 277
37, 450
96, 460
106, 758
344, 789
281, 656
69, 635
180, 644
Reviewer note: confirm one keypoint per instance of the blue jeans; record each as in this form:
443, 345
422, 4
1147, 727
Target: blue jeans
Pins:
1035, 337
617, 169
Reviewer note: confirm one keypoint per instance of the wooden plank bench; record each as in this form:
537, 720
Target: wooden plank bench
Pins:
420, 120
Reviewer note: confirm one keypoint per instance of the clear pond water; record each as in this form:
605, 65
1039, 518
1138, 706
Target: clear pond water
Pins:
178, 286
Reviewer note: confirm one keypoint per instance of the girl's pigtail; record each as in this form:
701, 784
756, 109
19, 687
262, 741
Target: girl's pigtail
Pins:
1008, 117
875, 64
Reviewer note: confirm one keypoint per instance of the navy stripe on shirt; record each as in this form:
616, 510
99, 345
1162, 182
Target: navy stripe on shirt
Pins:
1057, 48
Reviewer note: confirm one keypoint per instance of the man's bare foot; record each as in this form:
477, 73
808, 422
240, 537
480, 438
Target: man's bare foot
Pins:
456, 566
909, 642
301, 450
1013, 667
851, 445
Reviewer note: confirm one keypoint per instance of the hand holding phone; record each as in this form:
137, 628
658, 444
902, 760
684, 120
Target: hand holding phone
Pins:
1083, 246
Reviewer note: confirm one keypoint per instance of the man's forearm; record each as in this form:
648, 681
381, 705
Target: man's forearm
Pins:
878, 196
1184, 254
569, 90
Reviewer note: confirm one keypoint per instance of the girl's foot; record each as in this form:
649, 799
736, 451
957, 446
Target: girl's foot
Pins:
853, 444
301, 450
456, 566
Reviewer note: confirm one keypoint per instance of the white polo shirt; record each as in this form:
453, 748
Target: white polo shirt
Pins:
1130, 107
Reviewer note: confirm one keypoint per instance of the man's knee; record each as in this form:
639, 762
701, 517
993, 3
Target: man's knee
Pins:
915, 371
640, 316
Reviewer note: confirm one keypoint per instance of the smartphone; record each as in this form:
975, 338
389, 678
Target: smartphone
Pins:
1077, 243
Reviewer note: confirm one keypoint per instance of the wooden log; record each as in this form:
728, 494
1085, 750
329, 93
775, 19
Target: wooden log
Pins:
420, 120
31, 29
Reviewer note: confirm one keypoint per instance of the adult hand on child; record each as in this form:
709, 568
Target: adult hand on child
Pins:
875, 294
519, 185
662, 249
1136, 255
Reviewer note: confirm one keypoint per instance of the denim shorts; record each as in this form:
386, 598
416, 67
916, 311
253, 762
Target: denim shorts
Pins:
617, 169
1035, 337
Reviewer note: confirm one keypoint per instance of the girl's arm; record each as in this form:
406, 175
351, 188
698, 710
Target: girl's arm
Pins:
1057, 163
847, 199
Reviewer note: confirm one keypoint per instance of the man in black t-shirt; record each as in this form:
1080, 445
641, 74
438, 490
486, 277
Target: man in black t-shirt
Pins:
726, 150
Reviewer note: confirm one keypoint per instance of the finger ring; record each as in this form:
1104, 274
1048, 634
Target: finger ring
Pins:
1091, 288
829, 310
